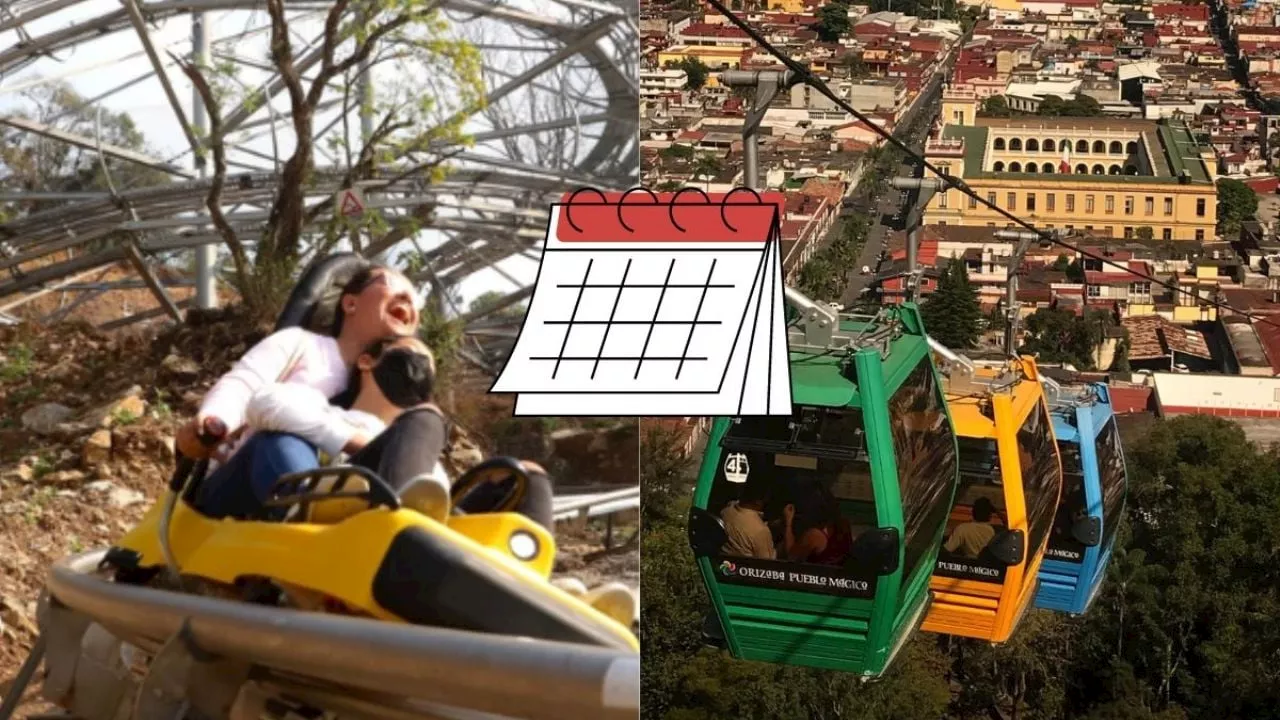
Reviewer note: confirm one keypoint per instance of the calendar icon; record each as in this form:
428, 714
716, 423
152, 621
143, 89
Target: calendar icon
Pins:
655, 305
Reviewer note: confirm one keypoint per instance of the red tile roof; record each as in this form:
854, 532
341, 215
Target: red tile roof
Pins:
1184, 12
1152, 336
1128, 400
1269, 334
710, 30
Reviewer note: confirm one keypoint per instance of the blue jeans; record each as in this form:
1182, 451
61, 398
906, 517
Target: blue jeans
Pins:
239, 488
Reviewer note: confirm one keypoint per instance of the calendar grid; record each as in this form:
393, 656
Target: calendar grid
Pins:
604, 338
697, 314
569, 330
644, 356
657, 310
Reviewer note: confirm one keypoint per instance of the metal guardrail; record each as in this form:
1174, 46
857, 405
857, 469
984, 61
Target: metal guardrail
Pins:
589, 505
353, 658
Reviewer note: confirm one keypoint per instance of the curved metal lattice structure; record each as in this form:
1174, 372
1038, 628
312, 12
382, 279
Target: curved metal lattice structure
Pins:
561, 86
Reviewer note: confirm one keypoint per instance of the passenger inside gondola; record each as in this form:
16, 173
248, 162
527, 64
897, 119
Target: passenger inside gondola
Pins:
820, 534
977, 516
744, 524
969, 539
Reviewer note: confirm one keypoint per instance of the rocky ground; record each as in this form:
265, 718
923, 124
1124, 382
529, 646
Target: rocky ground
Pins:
85, 446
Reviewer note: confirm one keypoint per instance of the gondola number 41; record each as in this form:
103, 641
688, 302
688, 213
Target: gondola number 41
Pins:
736, 468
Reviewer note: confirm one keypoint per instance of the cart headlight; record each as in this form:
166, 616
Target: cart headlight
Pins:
523, 545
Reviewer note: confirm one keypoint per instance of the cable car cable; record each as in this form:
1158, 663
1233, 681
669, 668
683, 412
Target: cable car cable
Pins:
804, 75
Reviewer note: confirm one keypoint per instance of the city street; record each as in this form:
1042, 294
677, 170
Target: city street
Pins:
915, 128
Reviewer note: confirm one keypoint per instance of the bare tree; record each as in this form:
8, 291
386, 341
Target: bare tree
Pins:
434, 86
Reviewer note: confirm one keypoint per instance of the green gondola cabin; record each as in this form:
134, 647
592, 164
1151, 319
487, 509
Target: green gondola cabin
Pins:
867, 459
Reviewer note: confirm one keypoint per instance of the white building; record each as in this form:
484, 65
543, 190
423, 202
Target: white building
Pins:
662, 82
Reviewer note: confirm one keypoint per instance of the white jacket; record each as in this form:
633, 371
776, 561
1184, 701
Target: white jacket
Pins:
306, 412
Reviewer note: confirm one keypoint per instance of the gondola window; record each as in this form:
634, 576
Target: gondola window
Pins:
978, 515
1040, 475
926, 458
812, 468
1063, 545
1111, 472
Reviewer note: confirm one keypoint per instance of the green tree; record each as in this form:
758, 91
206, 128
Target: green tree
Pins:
1061, 264
1196, 625
833, 22
994, 106
31, 162
820, 279
1057, 335
707, 166
695, 71
491, 298
677, 152
1237, 202
1083, 106
1182, 629
1075, 271
854, 64
1121, 363
1051, 106
1144, 232
1078, 106
952, 314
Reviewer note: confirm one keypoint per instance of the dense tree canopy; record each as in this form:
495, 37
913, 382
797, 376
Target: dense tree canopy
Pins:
1183, 628
833, 22
1237, 202
994, 106
1061, 336
1078, 106
695, 71
951, 313
1050, 106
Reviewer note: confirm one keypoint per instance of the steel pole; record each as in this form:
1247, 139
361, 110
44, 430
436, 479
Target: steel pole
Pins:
1023, 240
767, 85
923, 189
751, 159
1011, 327
207, 254
913, 244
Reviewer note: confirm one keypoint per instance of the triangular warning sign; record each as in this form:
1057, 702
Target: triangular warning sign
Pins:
350, 205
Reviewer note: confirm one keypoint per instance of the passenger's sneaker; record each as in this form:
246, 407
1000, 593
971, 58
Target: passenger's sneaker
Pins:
429, 495
573, 586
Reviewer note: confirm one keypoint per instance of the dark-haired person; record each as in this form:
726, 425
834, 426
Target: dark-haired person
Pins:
287, 424
377, 302
744, 525
824, 535
970, 538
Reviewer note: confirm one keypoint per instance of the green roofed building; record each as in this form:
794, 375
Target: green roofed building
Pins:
1105, 175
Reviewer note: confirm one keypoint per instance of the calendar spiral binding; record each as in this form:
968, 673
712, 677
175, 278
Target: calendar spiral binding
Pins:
754, 212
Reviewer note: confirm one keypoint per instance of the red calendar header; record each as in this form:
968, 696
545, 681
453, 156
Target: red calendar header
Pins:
690, 215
